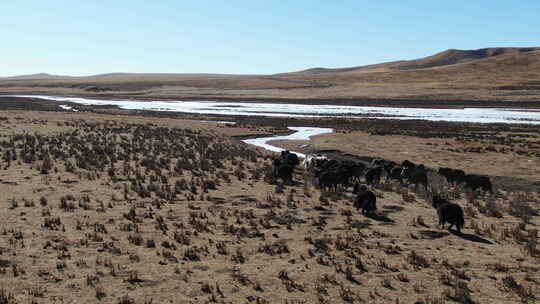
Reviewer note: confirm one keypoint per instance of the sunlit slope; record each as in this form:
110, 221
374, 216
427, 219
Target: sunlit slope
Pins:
453, 68
486, 74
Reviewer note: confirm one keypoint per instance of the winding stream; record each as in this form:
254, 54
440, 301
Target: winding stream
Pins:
302, 133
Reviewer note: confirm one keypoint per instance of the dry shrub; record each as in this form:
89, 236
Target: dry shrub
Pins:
431, 300
492, 208
278, 247
460, 294
348, 296
406, 196
6, 298
100, 293
290, 284
126, 300
403, 277
521, 209
525, 294
322, 245
531, 242
323, 198
417, 260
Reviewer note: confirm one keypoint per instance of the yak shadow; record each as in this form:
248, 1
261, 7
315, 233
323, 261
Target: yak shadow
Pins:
294, 183
471, 237
380, 217
392, 208
360, 224
432, 234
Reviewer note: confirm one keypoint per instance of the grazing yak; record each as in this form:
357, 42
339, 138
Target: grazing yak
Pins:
282, 170
340, 175
332, 173
290, 158
394, 174
283, 167
312, 161
377, 162
329, 180
373, 176
448, 212
356, 170
387, 165
408, 164
365, 199
415, 176
474, 182
452, 175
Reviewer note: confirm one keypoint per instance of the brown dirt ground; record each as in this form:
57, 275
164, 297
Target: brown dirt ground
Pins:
246, 241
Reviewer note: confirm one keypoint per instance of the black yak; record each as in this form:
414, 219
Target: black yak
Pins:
283, 167
290, 158
285, 172
329, 180
452, 175
373, 175
448, 212
365, 199
394, 174
408, 164
474, 182
415, 176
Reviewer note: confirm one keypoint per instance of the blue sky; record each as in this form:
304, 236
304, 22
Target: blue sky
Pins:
81, 37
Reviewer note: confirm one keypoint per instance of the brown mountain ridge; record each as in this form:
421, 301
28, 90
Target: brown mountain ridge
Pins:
487, 74
445, 58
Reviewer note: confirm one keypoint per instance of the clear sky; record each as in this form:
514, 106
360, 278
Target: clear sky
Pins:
85, 37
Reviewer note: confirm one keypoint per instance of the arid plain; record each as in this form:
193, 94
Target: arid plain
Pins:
453, 77
114, 206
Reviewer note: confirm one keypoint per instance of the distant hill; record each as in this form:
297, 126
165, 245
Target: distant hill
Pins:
453, 56
39, 76
489, 68
509, 74
445, 58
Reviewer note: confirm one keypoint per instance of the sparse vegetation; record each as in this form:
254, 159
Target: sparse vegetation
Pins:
105, 206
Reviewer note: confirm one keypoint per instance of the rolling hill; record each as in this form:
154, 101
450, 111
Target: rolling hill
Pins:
445, 58
489, 74
39, 76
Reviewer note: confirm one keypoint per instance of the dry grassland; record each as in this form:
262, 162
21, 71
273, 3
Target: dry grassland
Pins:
511, 76
126, 209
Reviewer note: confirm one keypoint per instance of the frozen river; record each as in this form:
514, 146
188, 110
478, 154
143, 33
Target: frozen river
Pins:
480, 115
302, 133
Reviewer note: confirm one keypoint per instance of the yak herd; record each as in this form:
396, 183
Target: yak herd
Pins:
333, 174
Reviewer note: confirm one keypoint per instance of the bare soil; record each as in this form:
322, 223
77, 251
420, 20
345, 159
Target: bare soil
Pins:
114, 206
